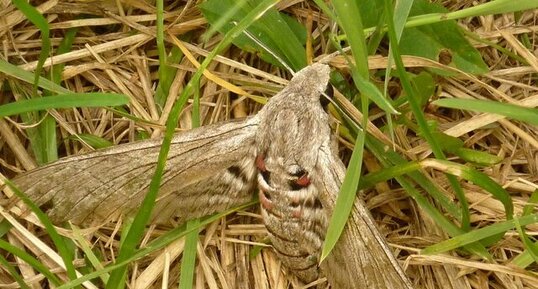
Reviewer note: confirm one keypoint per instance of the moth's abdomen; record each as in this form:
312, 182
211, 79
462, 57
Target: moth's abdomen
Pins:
294, 218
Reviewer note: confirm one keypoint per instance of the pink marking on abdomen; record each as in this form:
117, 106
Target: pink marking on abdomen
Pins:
265, 202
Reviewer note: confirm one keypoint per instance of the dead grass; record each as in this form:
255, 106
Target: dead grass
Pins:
107, 56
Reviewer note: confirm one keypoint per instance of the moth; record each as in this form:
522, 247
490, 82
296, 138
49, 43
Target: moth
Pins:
286, 153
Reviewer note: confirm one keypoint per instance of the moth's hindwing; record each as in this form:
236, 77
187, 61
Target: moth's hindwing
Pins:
208, 169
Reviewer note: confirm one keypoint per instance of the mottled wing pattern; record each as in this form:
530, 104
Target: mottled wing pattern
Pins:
209, 169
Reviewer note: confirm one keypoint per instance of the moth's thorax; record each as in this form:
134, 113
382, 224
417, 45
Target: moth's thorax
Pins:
289, 133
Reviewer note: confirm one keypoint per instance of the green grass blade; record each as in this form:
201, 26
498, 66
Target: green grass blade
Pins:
224, 19
470, 174
373, 93
48, 149
160, 33
488, 8
196, 106
531, 248
345, 200
188, 261
517, 112
26, 76
477, 235
526, 258
419, 115
36, 264
478, 178
40, 22
280, 34
6, 266
63, 101
91, 140
86, 247
58, 240
348, 17
166, 76
390, 159
440, 219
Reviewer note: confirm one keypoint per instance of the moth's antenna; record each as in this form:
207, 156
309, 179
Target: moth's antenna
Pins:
330, 99
262, 45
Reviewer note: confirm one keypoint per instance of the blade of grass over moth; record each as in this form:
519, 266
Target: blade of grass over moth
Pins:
419, 115
345, 198
64, 101
157, 244
348, 17
188, 261
142, 217
517, 112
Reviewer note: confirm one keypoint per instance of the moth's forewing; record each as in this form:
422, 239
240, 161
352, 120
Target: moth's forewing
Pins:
208, 169
361, 257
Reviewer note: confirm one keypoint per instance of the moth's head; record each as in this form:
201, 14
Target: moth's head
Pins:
311, 80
